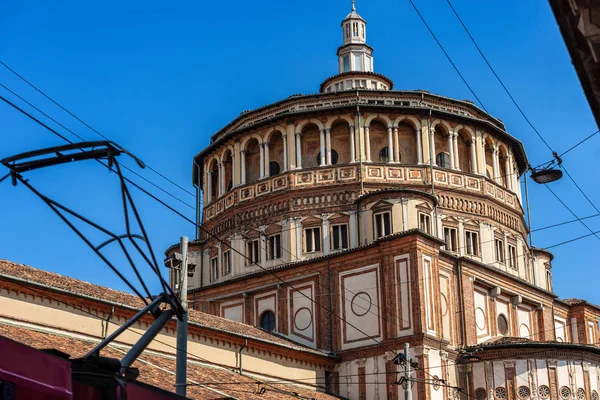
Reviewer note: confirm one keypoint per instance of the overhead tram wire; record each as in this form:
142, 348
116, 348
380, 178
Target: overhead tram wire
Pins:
88, 126
446, 54
82, 139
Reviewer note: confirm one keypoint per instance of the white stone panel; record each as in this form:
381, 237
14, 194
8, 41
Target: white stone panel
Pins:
593, 378
435, 368
542, 373
264, 302
562, 372
234, 312
481, 314
445, 306
499, 378
429, 294
560, 329
301, 313
403, 295
522, 371
360, 307
524, 322
578, 375
479, 375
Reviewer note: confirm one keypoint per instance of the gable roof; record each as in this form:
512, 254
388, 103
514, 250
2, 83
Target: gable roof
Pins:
50, 280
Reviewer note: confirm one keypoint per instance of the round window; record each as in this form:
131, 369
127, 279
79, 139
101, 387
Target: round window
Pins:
500, 393
544, 392
580, 394
267, 321
502, 324
524, 392
565, 392
594, 395
480, 394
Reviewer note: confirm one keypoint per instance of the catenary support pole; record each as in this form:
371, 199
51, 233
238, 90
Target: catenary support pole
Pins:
407, 388
182, 325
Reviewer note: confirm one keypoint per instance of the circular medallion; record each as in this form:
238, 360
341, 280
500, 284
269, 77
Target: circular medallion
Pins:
524, 331
302, 319
444, 304
361, 303
480, 318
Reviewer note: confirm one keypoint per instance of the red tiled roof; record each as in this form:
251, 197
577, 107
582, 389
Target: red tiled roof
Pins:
9, 269
159, 371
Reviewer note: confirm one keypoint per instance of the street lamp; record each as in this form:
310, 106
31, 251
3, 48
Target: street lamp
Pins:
547, 174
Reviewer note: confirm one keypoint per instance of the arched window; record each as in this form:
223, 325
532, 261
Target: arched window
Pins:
267, 321
384, 156
442, 160
334, 157
502, 325
274, 168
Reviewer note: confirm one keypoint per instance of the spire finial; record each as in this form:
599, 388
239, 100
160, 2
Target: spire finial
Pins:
353, 6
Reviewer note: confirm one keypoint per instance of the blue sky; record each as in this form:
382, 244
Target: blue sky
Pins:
160, 80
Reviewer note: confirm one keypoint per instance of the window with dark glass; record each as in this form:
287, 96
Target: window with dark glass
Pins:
214, 269
346, 61
450, 238
253, 252
512, 256
339, 237
442, 160
334, 157
226, 262
274, 244
499, 246
425, 223
312, 239
274, 168
472, 243
383, 224
267, 321
384, 156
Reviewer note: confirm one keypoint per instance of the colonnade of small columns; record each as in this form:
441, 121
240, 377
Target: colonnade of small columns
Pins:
360, 150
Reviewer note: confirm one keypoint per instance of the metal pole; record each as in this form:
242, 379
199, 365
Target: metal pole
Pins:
407, 388
182, 325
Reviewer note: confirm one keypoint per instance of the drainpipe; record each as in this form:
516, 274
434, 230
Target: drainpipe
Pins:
240, 354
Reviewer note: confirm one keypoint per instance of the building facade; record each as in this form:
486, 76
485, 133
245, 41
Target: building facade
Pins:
361, 218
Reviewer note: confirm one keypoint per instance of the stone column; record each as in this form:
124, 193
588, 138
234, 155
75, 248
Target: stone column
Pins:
419, 146
220, 260
432, 145
456, 154
482, 245
367, 145
461, 236
323, 160
404, 204
506, 254
352, 146
390, 146
396, 146
209, 193
353, 230
267, 160
325, 234
243, 165
262, 161
285, 240
221, 179
480, 148
473, 156
263, 246
298, 239
509, 174
234, 164
328, 145
451, 149
298, 151
496, 176
285, 158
